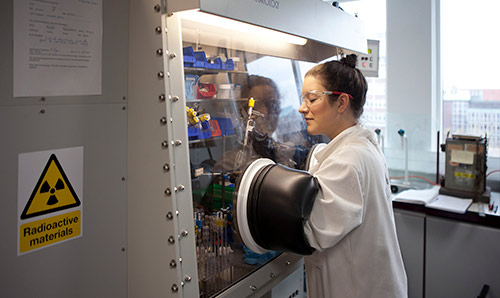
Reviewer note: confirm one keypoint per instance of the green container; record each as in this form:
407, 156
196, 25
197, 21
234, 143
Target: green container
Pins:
211, 197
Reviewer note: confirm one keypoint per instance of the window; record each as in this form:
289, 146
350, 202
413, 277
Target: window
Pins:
470, 85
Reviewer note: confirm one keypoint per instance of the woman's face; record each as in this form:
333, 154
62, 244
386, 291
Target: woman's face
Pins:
321, 116
263, 93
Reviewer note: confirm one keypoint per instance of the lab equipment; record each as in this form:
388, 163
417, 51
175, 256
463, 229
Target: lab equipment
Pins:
192, 116
188, 56
214, 63
228, 64
198, 125
229, 91
287, 154
236, 62
244, 152
216, 131
398, 185
261, 214
380, 139
190, 86
465, 167
154, 225
250, 121
225, 91
368, 63
404, 145
213, 249
206, 90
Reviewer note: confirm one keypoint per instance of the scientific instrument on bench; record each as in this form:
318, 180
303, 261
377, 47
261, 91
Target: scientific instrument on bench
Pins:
465, 168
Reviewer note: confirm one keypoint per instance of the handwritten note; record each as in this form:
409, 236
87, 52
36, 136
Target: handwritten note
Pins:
57, 47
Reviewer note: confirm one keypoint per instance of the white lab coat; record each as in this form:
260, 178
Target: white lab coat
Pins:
352, 223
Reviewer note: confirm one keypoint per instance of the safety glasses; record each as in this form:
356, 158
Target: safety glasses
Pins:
311, 96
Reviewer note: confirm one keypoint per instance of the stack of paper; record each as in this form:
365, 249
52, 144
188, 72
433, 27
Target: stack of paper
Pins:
449, 203
417, 196
432, 199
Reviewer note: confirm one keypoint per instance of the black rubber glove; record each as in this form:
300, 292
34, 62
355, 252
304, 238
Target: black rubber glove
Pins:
262, 144
289, 155
300, 157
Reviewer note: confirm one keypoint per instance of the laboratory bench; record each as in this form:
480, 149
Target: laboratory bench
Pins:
449, 254
486, 217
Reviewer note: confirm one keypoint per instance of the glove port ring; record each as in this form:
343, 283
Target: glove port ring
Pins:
241, 205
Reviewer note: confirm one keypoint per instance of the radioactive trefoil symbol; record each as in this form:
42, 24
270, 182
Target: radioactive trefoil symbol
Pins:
53, 192
46, 188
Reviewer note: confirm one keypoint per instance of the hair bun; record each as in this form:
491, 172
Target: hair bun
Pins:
350, 60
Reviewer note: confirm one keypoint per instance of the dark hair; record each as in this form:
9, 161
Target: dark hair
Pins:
271, 99
345, 77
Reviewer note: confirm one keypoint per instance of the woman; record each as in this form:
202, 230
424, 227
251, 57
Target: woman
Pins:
351, 225
268, 102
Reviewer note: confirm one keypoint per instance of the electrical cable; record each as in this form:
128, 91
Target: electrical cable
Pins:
494, 171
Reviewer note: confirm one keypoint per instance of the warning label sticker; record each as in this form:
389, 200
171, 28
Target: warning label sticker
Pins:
43, 232
53, 192
49, 198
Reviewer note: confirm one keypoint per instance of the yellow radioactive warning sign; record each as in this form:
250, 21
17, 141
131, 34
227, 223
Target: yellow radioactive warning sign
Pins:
40, 233
53, 192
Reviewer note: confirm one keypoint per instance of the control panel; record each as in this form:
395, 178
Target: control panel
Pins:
368, 63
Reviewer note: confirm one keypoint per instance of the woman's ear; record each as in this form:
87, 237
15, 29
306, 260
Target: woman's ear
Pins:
343, 103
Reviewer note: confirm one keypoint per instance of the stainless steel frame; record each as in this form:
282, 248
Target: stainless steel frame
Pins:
161, 258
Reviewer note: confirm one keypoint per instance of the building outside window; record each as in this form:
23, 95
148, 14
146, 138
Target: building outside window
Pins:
470, 71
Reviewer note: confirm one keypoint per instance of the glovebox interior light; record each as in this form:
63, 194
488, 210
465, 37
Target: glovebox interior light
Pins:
225, 23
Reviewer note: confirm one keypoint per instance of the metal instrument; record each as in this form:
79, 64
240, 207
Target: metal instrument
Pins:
465, 167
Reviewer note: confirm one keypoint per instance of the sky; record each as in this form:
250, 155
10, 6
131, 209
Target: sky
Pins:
470, 43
